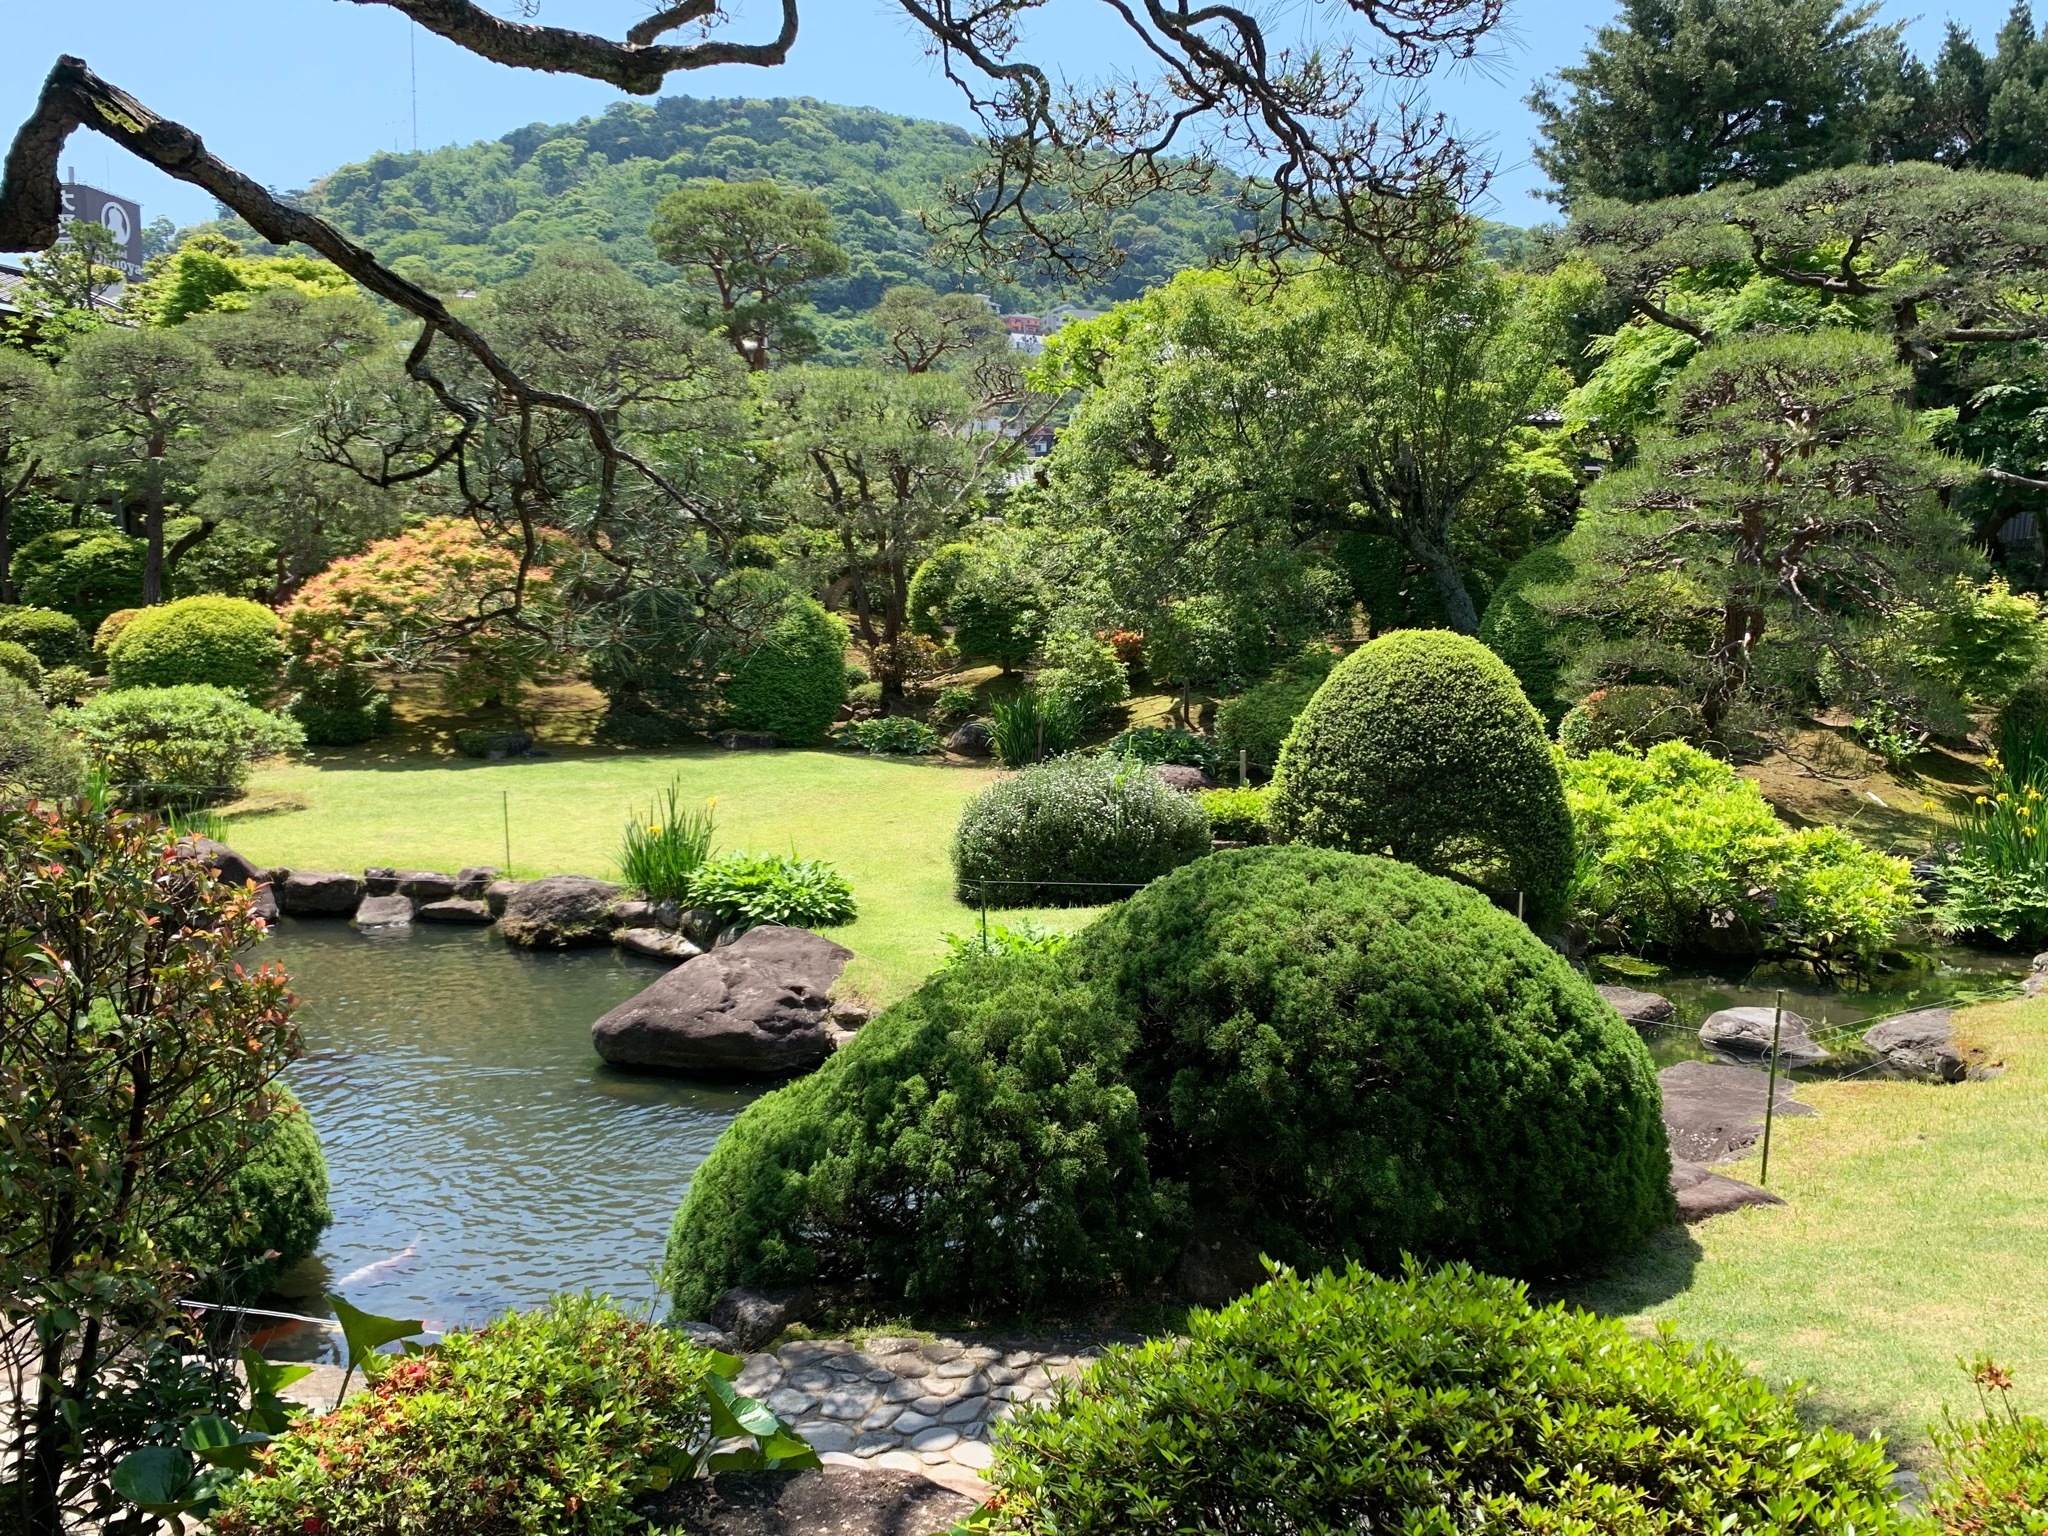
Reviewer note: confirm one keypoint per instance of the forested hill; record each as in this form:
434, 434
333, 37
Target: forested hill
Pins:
472, 215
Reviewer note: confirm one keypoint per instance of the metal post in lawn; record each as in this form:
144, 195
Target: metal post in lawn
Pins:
1519, 902
983, 888
505, 806
1244, 773
1771, 1095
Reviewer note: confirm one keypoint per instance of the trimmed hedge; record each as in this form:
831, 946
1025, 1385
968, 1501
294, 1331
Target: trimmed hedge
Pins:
1345, 1057
179, 746
56, 638
266, 1217
223, 642
1257, 721
973, 1146
87, 573
1422, 746
1075, 819
793, 679
19, 662
1430, 1403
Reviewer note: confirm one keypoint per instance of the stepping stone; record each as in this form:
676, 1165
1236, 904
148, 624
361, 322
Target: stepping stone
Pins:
383, 912
1747, 1032
1702, 1193
455, 909
1714, 1112
1638, 1007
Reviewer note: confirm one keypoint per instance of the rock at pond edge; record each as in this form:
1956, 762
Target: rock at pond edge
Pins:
391, 911
1747, 1032
1638, 1007
559, 912
320, 893
454, 909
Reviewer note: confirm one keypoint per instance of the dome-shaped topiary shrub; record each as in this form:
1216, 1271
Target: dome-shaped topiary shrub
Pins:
179, 747
222, 642
85, 572
972, 1147
1422, 746
265, 1217
791, 678
55, 637
1432, 1402
1073, 826
1344, 1056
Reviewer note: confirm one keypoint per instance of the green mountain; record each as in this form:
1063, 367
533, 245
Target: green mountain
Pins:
472, 215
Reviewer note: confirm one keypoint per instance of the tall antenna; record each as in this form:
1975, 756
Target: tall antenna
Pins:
412, 54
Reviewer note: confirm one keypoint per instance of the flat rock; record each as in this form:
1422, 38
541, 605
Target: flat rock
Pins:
748, 741
426, 885
656, 944
455, 909
1638, 1007
559, 912
473, 880
759, 1006
320, 893
383, 912
1921, 1041
825, 1501
1747, 1032
498, 895
1714, 1112
1702, 1193
1181, 777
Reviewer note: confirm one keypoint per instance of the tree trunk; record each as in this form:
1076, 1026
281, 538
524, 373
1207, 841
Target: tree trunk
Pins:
1741, 627
153, 528
6, 549
1459, 610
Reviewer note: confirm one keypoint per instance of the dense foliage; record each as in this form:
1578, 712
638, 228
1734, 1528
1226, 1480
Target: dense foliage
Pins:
1074, 832
792, 678
36, 757
1237, 815
1994, 1468
227, 642
1308, 1019
1348, 1401
750, 888
975, 1146
179, 746
1680, 855
1422, 745
891, 736
546, 1423
85, 573
56, 638
1257, 721
265, 1217
1995, 874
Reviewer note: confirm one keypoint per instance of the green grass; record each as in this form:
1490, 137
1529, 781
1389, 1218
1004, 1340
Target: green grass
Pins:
886, 825
1916, 1235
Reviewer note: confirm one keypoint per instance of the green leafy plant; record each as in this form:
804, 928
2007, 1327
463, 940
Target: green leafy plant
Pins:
1022, 937
173, 1483
547, 1422
1679, 854
56, 638
1083, 676
1236, 815
1348, 1402
1155, 744
662, 852
225, 642
265, 1216
1058, 833
891, 736
1994, 1477
790, 676
1889, 734
1995, 877
1257, 721
751, 888
1630, 717
36, 758
1031, 728
179, 746
954, 703
19, 662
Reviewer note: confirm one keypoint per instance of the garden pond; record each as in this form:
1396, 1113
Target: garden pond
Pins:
483, 1158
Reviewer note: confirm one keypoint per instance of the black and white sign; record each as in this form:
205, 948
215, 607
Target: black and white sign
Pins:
121, 217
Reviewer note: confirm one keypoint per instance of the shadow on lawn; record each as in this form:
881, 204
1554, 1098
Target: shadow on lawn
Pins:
1659, 1270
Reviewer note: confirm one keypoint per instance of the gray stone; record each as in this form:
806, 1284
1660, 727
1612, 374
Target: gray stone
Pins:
265, 903
852, 1013
847, 1403
559, 912
1714, 1112
966, 1411
380, 880
935, 1440
498, 895
879, 1500
455, 909
902, 1391
789, 1401
757, 1007
1183, 778
634, 913
1701, 1193
974, 739
656, 944
911, 1422
1638, 1007
754, 1315
829, 1437
700, 925
426, 885
882, 1417
1922, 1041
704, 1336
959, 1369
320, 893
384, 912
810, 1378
1747, 1032
748, 741
228, 866
474, 880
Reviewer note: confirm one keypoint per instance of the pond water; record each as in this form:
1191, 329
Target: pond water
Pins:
481, 1156
1940, 976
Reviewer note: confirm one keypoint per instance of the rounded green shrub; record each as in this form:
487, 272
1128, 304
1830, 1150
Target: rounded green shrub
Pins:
1068, 825
36, 758
87, 573
1432, 1402
224, 642
1525, 636
179, 746
973, 1147
1083, 676
1235, 815
108, 630
337, 706
1346, 1057
56, 638
19, 662
1422, 746
266, 1216
791, 679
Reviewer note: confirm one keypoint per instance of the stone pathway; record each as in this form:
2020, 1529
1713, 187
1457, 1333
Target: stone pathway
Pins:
905, 1404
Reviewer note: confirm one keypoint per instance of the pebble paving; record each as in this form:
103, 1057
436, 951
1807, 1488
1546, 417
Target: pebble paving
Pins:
911, 1405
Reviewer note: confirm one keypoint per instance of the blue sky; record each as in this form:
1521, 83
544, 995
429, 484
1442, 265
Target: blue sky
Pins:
288, 89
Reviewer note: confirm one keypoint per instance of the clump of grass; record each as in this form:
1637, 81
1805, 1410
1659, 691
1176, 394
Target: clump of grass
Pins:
661, 854
1996, 877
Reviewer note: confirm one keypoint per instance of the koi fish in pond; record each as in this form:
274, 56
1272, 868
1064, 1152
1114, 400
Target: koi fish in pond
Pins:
377, 1270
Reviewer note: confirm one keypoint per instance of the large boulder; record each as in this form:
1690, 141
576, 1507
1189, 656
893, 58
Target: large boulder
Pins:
1714, 1112
824, 1501
228, 865
387, 911
974, 739
1747, 1032
759, 1007
1921, 1041
320, 893
1638, 1007
752, 1316
426, 885
1181, 777
559, 912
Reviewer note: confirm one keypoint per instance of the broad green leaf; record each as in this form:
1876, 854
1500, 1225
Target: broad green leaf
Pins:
156, 1478
268, 1377
366, 1332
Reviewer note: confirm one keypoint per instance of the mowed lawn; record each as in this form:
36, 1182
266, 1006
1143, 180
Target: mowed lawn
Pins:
1916, 1235
886, 825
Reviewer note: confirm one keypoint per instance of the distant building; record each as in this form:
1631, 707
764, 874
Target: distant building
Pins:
1024, 325
11, 278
